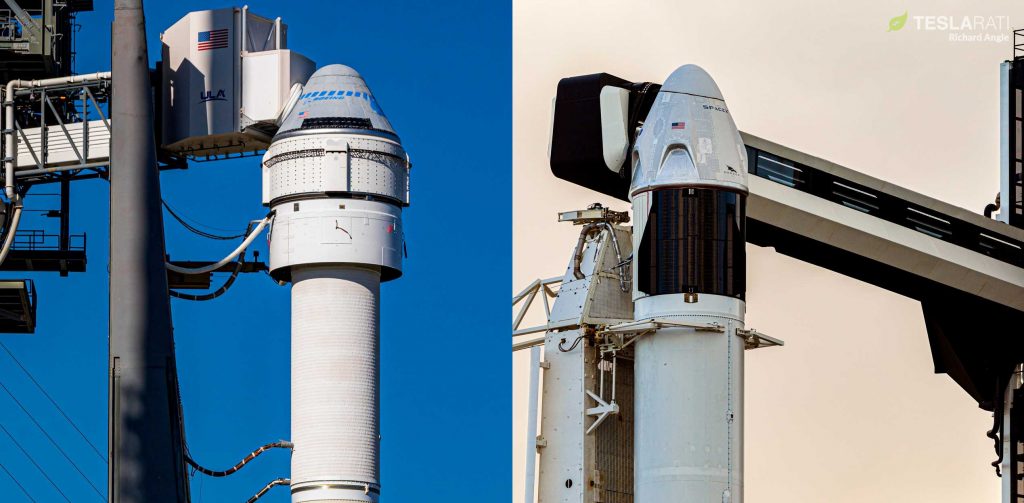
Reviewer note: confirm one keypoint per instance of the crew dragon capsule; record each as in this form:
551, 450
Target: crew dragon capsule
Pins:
688, 193
337, 178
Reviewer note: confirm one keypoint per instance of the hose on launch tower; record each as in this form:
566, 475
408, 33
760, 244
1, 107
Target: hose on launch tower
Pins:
12, 229
218, 292
279, 445
574, 344
595, 228
231, 256
196, 230
269, 486
996, 433
992, 207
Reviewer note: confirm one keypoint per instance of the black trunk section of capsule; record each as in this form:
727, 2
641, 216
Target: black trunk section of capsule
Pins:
694, 243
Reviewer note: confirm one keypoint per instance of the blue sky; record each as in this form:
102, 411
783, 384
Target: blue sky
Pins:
442, 71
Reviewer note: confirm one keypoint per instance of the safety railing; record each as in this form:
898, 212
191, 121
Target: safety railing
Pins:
39, 240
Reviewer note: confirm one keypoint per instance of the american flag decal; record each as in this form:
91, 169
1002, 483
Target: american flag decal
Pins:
213, 39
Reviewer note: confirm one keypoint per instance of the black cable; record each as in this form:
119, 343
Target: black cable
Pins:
30, 458
217, 293
52, 441
996, 433
574, 344
54, 402
27, 495
241, 464
634, 118
197, 230
269, 486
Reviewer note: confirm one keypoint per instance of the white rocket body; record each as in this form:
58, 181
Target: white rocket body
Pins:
688, 195
337, 179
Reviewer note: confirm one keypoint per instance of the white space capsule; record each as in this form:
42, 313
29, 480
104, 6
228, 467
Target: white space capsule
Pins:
688, 194
689, 138
337, 178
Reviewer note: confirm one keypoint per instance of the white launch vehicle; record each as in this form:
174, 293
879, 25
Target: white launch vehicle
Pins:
336, 178
688, 193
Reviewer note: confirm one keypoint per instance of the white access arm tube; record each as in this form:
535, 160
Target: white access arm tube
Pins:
10, 143
213, 267
12, 229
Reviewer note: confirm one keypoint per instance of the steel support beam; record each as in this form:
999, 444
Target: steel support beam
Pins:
145, 437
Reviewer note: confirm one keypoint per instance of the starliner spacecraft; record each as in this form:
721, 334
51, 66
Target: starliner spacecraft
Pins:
336, 177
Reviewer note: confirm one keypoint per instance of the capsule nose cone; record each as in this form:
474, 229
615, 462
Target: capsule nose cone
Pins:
336, 71
692, 79
336, 99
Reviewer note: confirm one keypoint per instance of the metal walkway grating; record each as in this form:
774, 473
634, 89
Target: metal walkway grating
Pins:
17, 306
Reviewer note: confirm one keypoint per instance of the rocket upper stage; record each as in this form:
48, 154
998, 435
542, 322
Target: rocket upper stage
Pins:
689, 138
336, 99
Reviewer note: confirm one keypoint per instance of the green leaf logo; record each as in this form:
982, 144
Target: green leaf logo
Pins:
896, 23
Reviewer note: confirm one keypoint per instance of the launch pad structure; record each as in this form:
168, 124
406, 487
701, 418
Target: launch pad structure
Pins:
646, 323
335, 182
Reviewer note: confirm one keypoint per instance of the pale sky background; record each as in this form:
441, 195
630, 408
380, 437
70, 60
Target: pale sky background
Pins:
850, 409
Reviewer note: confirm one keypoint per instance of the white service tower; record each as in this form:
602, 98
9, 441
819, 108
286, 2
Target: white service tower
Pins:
688, 193
337, 178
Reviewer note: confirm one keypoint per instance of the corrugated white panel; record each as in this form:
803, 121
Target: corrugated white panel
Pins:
335, 351
336, 163
60, 150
